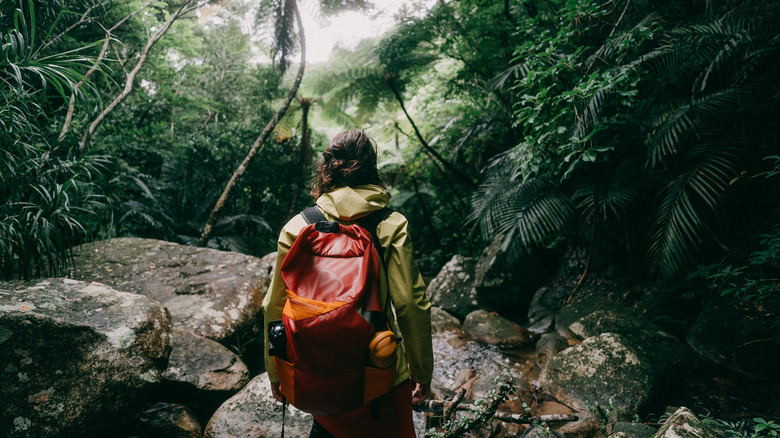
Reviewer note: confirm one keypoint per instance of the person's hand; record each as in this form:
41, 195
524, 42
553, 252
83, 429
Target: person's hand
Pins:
420, 392
277, 392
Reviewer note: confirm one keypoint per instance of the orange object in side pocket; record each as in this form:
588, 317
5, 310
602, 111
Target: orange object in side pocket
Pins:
285, 373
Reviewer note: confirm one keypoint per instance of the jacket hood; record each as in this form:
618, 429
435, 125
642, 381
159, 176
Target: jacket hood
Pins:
351, 203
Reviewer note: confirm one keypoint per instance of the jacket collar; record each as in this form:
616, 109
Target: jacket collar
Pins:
351, 203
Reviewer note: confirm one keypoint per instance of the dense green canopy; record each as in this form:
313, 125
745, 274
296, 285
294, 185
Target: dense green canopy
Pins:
641, 134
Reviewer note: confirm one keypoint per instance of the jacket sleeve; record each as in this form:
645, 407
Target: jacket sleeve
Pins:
276, 297
412, 308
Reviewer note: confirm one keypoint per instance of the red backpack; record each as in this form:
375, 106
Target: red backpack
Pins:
333, 311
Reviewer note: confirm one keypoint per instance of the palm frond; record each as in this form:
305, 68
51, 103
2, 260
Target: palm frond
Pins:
284, 32
679, 224
670, 136
530, 212
615, 46
614, 201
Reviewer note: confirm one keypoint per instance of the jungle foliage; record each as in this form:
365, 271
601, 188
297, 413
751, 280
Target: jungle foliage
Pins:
641, 134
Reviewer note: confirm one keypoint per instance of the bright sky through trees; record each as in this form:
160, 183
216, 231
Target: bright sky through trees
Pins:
347, 29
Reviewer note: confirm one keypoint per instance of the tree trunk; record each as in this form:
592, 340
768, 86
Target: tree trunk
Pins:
208, 229
130, 81
424, 143
93, 69
304, 154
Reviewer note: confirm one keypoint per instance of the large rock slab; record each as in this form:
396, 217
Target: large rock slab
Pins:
204, 369
493, 329
545, 303
453, 288
212, 293
253, 412
605, 369
76, 356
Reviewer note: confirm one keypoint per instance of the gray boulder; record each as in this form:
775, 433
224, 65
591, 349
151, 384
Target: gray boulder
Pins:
211, 293
548, 346
540, 432
253, 412
683, 424
506, 283
76, 356
605, 369
453, 288
204, 368
441, 321
166, 420
634, 430
545, 303
493, 329
662, 348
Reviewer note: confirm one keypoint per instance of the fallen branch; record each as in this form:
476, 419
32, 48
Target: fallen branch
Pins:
439, 406
451, 406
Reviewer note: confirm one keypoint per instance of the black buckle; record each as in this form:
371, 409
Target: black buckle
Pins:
327, 227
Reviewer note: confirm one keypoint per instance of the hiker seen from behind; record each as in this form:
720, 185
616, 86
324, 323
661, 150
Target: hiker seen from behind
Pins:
348, 326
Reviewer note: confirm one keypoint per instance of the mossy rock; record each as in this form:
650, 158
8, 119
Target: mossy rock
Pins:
607, 370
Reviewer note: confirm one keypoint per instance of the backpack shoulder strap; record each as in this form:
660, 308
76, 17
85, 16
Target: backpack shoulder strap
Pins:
370, 224
313, 215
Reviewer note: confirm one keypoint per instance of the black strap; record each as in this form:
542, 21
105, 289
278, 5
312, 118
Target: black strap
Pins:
312, 215
370, 222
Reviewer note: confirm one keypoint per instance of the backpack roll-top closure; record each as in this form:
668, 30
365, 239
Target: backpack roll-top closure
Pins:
343, 262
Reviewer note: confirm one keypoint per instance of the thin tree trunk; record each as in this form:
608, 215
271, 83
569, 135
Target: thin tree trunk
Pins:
93, 69
304, 154
208, 229
425, 144
130, 81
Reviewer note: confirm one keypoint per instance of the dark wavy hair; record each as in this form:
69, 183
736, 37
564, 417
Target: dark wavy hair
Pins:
349, 160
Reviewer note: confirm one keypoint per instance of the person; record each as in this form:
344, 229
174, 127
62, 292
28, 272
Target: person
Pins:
347, 186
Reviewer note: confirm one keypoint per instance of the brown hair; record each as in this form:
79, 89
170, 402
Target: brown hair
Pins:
349, 160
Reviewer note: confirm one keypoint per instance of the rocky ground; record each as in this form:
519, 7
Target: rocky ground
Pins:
142, 342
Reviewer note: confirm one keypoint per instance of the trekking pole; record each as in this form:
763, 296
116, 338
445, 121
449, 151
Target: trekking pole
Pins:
284, 412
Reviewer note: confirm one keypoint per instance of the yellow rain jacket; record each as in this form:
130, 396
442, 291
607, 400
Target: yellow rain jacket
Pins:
406, 286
